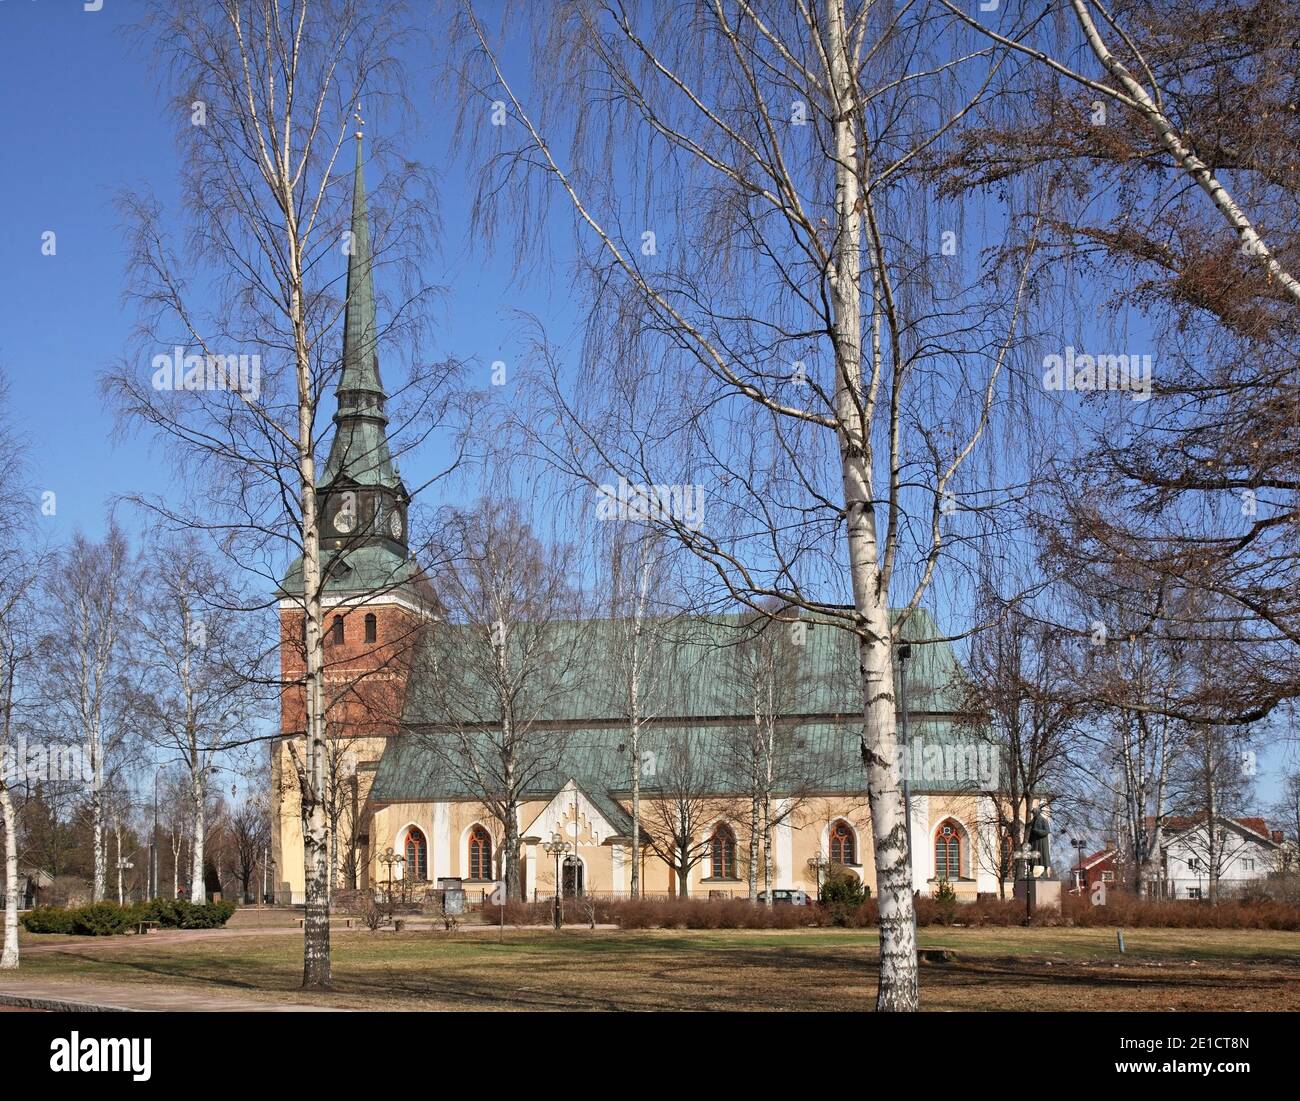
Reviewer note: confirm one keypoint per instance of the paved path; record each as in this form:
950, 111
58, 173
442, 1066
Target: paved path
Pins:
82, 996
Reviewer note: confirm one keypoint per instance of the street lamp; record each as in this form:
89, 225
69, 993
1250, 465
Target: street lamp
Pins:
818, 864
389, 857
1080, 843
557, 847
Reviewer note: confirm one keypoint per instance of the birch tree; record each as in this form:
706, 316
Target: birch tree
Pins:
88, 596
1212, 780
267, 96
18, 584
775, 316
641, 633
196, 692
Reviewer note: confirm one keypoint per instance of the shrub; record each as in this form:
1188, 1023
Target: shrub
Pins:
843, 890
48, 919
1121, 910
646, 913
101, 919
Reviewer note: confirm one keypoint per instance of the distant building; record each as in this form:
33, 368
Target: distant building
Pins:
1246, 852
1100, 867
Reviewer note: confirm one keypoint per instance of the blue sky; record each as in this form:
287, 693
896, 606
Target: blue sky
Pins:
86, 119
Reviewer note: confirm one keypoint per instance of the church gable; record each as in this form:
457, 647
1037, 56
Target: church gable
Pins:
574, 815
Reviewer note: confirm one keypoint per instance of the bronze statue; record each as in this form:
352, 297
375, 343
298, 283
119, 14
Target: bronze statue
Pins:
1039, 832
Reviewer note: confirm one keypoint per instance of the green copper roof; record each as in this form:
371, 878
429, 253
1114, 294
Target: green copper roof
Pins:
372, 568
695, 668
360, 451
698, 704
815, 758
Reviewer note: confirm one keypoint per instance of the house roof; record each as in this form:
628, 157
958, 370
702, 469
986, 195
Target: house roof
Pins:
1177, 823
1095, 859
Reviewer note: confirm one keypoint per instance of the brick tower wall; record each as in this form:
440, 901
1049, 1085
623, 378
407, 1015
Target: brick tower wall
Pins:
365, 689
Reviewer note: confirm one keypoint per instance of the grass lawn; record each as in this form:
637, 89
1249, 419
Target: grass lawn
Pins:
996, 968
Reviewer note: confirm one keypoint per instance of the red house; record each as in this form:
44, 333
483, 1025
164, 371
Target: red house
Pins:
1097, 868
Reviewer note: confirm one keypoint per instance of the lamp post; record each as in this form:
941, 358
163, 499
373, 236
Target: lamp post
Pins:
557, 847
1080, 843
153, 841
818, 864
389, 857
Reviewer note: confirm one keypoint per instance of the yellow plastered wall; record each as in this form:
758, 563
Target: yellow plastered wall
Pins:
800, 833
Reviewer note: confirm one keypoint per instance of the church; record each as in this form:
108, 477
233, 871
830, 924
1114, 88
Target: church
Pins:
399, 813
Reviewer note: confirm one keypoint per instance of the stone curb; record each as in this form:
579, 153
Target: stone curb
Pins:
56, 1005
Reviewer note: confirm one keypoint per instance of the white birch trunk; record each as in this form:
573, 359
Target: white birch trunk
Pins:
767, 848
99, 851
316, 926
898, 966
198, 890
755, 844
9, 955
635, 736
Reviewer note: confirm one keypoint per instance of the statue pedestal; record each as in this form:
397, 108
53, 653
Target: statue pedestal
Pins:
1044, 894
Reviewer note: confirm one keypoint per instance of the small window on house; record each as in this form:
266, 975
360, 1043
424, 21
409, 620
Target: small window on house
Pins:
1193, 892
722, 850
1108, 877
372, 627
843, 848
336, 631
480, 853
1248, 865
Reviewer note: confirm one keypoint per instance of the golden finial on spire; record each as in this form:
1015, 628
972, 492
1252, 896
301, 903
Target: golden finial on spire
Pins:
360, 121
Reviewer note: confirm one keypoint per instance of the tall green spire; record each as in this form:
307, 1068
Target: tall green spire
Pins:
360, 450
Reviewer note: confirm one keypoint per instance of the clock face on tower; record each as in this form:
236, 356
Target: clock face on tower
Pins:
345, 519
395, 523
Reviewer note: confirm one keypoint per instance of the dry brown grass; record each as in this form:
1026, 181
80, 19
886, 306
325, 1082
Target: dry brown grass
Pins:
995, 968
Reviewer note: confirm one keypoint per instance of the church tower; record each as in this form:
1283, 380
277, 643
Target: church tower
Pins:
374, 599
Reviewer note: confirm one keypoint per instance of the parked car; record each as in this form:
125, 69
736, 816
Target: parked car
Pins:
786, 898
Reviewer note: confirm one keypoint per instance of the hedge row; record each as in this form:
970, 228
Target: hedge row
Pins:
105, 919
1121, 910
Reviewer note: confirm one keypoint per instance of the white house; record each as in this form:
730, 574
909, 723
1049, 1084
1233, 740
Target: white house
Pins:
1246, 851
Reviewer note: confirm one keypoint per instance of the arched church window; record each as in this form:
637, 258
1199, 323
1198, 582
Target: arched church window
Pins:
336, 631
480, 853
417, 855
722, 850
372, 627
947, 851
843, 844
